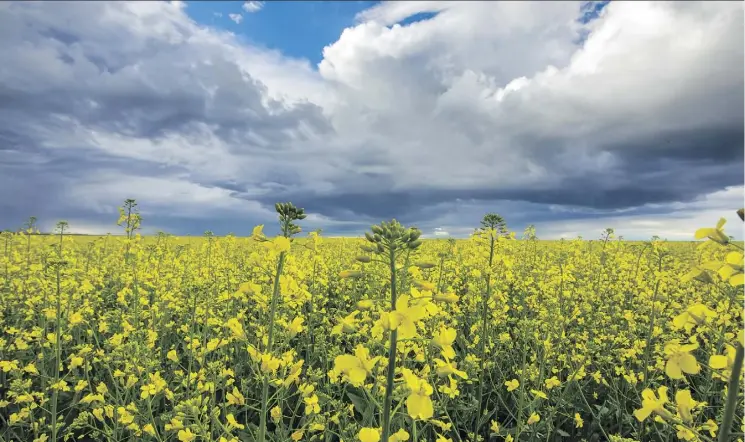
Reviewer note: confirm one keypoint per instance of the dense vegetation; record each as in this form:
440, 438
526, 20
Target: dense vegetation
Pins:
389, 337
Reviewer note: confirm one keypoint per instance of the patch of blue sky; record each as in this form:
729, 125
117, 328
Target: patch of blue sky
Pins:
298, 29
589, 11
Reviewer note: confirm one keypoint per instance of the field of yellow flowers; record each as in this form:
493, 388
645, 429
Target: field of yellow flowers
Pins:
383, 338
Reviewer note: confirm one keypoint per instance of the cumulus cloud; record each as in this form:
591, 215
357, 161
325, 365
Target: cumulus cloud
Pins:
237, 18
253, 6
633, 119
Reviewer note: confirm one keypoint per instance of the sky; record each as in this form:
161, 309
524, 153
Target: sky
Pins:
570, 116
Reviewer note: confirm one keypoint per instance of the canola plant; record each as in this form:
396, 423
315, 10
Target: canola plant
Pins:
383, 338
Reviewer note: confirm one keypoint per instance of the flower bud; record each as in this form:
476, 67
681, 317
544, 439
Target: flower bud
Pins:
363, 258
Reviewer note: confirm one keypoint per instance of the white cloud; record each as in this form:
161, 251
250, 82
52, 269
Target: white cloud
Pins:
674, 221
486, 104
237, 18
253, 6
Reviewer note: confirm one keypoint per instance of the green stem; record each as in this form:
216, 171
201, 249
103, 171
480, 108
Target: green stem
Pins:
732, 392
391, 355
482, 341
269, 344
57, 344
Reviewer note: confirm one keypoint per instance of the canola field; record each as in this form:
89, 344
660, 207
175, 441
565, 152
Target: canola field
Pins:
297, 337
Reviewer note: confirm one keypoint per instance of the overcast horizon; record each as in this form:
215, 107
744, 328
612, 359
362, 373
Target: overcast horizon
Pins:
570, 116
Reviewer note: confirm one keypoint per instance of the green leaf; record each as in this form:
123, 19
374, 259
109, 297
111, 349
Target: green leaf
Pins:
361, 405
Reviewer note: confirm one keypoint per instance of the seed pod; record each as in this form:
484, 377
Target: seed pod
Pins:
369, 249
414, 244
381, 249
365, 304
377, 238
363, 258
425, 265
350, 274
369, 237
414, 235
376, 230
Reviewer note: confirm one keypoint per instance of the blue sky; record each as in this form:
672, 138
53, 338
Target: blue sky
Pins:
296, 28
570, 116
301, 29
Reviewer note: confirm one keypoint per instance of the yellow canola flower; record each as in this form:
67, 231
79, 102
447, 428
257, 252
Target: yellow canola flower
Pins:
356, 367
368, 434
276, 414
552, 382
539, 394
680, 360
232, 423
418, 403
296, 326
652, 403
235, 397
694, 315
186, 435
399, 436
236, 328
715, 234
512, 385
444, 339
685, 403
494, 427
578, 422
258, 232
403, 318
346, 324
447, 368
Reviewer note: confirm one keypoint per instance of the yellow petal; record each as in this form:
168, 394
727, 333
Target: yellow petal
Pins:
419, 406
718, 362
688, 364
703, 232
357, 376
735, 258
737, 280
672, 370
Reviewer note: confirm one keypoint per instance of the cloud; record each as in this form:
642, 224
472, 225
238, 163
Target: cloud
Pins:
634, 118
253, 6
237, 18
439, 231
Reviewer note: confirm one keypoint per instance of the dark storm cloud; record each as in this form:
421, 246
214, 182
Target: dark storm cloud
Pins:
413, 128
670, 166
